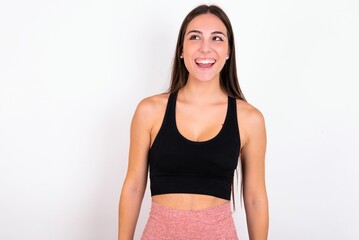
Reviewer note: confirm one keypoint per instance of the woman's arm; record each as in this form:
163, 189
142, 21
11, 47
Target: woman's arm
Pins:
136, 179
254, 189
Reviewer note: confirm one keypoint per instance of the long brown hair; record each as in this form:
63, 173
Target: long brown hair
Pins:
228, 75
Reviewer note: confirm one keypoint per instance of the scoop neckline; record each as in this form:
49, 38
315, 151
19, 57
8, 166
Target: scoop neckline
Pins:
204, 141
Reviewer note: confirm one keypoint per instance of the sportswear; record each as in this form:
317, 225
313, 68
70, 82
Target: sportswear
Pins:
179, 165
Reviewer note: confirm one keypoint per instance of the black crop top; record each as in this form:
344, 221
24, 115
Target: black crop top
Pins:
179, 165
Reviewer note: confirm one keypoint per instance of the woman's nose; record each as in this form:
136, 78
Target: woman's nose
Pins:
205, 46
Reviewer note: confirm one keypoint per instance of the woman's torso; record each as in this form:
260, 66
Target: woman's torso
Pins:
189, 120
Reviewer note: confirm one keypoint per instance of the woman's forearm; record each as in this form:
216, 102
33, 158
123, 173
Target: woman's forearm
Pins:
257, 219
129, 209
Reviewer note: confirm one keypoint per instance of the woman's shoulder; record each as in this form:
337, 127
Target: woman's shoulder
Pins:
248, 115
149, 106
153, 102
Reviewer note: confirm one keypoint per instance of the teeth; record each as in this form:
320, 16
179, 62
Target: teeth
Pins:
205, 61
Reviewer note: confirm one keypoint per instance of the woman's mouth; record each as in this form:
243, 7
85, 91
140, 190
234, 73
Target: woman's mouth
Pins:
205, 62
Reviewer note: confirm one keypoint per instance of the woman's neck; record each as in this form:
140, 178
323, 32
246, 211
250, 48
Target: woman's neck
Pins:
202, 92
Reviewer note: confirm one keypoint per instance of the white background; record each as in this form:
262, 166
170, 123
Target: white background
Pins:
72, 73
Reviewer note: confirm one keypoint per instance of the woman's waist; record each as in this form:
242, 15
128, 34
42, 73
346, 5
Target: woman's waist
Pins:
190, 202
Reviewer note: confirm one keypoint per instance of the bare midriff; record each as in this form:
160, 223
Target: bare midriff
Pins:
184, 201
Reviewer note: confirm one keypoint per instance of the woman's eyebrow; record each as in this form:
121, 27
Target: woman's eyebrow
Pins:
194, 31
199, 32
219, 32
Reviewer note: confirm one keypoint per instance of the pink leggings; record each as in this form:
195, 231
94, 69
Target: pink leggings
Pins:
166, 223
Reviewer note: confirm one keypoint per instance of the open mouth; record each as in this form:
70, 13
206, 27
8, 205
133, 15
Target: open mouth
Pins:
205, 63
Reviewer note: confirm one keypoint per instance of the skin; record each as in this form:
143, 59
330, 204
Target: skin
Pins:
200, 112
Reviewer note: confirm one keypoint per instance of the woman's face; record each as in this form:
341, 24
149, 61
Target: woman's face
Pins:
205, 47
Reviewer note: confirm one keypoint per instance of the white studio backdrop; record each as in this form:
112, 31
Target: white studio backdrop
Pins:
72, 73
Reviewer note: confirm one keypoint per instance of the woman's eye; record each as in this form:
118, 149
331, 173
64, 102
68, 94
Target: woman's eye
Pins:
216, 38
194, 37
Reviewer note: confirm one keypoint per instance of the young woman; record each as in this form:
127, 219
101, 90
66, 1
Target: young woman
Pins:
190, 140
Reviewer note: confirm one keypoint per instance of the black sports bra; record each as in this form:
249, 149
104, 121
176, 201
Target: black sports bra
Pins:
179, 165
